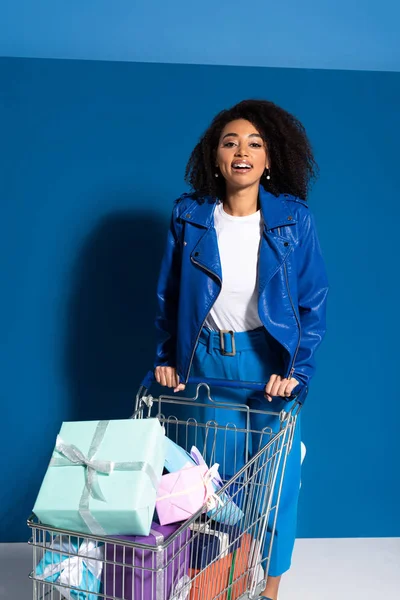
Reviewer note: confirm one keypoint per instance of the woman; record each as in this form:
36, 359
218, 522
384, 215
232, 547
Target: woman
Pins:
242, 288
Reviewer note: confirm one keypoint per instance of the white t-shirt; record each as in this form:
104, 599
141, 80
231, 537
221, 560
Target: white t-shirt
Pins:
236, 308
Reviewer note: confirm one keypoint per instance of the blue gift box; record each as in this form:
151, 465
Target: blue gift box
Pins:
74, 566
176, 458
207, 547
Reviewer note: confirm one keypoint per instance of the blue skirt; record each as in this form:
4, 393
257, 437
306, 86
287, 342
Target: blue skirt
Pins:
255, 359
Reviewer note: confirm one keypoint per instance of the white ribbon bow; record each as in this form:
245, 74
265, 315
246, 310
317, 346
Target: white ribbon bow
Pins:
71, 569
181, 589
212, 500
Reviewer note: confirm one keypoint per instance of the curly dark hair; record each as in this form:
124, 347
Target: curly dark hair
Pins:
292, 163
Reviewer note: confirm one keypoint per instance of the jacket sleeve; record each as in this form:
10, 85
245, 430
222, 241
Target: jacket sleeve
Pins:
168, 298
312, 287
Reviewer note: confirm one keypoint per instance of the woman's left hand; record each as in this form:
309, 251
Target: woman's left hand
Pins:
278, 386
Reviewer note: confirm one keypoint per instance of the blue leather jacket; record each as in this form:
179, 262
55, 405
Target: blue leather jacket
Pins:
292, 282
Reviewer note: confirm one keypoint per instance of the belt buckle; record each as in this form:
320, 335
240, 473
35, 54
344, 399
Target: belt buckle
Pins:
222, 342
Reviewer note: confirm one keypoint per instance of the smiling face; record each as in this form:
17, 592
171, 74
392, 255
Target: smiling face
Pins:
241, 155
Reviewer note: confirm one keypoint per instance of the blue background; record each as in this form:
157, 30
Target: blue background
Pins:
92, 157
319, 34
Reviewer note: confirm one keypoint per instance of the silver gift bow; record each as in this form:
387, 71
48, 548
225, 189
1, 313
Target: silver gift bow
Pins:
72, 456
159, 564
180, 590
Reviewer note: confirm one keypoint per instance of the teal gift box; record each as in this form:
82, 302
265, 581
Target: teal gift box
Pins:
103, 477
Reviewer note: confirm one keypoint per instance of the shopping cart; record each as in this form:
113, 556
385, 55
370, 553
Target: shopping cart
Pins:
212, 556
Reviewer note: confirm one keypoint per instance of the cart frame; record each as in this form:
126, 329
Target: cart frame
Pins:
255, 487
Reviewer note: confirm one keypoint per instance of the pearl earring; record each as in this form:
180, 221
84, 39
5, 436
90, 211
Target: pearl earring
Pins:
267, 173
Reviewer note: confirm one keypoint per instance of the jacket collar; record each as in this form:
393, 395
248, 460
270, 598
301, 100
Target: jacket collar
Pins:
275, 210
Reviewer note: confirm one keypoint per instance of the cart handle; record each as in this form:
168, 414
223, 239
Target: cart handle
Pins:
229, 383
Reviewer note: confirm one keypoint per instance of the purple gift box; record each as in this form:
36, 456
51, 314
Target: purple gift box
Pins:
140, 574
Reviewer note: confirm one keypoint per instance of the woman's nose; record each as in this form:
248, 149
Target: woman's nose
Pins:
240, 151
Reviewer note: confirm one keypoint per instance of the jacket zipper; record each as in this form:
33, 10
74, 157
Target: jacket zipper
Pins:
205, 318
292, 367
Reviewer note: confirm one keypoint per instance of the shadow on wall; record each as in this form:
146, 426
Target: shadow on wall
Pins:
111, 336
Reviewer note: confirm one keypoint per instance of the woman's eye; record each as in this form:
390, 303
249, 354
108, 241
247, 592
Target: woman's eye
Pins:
252, 144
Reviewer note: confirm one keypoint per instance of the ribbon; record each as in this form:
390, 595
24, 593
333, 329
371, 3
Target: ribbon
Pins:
216, 479
199, 460
181, 589
71, 569
213, 500
159, 564
73, 456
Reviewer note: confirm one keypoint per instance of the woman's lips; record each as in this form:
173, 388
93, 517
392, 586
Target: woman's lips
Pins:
241, 169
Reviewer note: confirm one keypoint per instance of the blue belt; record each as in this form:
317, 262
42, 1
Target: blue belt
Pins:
231, 342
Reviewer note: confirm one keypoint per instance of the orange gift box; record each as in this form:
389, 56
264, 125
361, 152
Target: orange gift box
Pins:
215, 579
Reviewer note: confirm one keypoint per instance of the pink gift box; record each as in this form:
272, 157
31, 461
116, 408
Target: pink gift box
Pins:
181, 494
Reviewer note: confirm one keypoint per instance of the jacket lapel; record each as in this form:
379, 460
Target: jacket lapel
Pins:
205, 253
276, 210
273, 252
274, 248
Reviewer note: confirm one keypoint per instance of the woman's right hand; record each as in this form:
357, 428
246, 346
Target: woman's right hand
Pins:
168, 377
